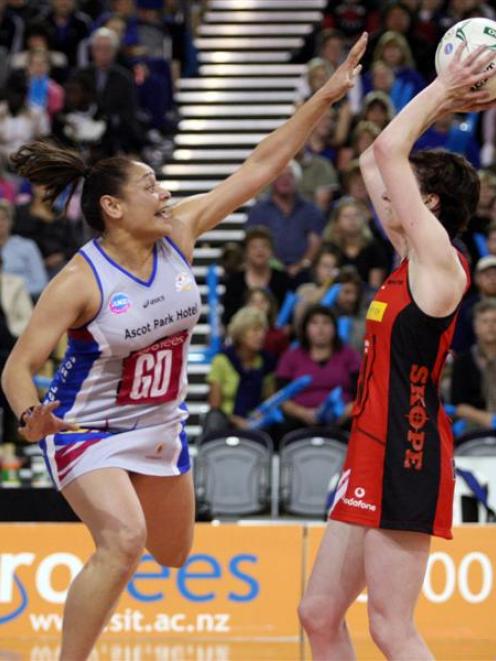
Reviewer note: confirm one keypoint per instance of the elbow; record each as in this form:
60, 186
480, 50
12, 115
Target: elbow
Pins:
366, 160
385, 150
380, 149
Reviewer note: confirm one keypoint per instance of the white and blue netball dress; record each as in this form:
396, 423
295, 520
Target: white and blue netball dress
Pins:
123, 378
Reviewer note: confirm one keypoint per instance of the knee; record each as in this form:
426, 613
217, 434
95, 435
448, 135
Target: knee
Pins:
124, 547
318, 616
387, 631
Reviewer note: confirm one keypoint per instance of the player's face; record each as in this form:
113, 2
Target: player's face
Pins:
320, 331
145, 203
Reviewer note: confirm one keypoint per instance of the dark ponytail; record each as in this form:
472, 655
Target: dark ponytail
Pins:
56, 168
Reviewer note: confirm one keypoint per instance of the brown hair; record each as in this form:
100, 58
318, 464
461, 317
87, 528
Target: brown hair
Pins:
454, 180
47, 164
258, 232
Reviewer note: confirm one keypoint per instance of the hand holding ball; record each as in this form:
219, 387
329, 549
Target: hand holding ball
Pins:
473, 33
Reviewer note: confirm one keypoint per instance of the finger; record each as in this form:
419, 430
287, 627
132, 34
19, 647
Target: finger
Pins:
358, 49
70, 426
458, 53
51, 406
474, 55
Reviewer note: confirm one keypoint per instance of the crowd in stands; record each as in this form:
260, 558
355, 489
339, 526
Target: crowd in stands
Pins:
99, 76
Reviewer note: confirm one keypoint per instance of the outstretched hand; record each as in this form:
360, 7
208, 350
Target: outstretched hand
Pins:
344, 77
41, 422
462, 81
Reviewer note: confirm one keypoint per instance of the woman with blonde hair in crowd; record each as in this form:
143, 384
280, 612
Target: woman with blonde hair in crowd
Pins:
240, 376
276, 339
348, 230
393, 49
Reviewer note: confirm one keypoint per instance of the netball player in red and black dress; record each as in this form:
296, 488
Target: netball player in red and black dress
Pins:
396, 489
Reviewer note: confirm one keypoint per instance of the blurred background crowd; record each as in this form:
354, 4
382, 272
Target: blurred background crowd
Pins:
99, 76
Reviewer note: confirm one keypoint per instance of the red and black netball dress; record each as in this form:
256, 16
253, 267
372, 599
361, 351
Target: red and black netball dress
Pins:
399, 471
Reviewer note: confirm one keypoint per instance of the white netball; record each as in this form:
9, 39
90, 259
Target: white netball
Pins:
472, 32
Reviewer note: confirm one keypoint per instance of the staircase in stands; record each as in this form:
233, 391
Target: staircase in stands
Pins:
245, 90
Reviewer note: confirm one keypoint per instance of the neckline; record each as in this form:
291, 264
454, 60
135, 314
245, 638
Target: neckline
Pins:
144, 283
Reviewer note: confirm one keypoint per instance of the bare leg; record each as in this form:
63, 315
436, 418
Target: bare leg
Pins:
337, 579
395, 563
169, 507
106, 502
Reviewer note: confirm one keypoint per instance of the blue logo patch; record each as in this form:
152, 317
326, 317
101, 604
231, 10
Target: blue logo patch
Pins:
448, 48
119, 303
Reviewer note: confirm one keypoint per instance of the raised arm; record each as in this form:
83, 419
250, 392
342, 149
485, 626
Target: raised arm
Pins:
376, 189
198, 214
411, 210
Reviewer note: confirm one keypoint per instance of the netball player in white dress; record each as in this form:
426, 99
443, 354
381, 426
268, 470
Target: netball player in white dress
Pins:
112, 422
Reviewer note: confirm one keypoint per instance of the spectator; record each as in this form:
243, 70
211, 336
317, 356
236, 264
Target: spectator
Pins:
241, 376
115, 93
473, 385
231, 258
55, 236
44, 93
21, 257
295, 224
351, 17
37, 36
331, 132
362, 137
488, 150
68, 28
11, 30
485, 283
80, 124
491, 237
351, 303
393, 49
276, 339
19, 123
317, 72
324, 271
476, 233
348, 230
15, 301
8, 189
377, 109
326, 359
383, 79
318, 179
454, 134
257, 272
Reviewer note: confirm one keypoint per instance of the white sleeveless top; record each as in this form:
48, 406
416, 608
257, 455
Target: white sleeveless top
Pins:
126, 369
